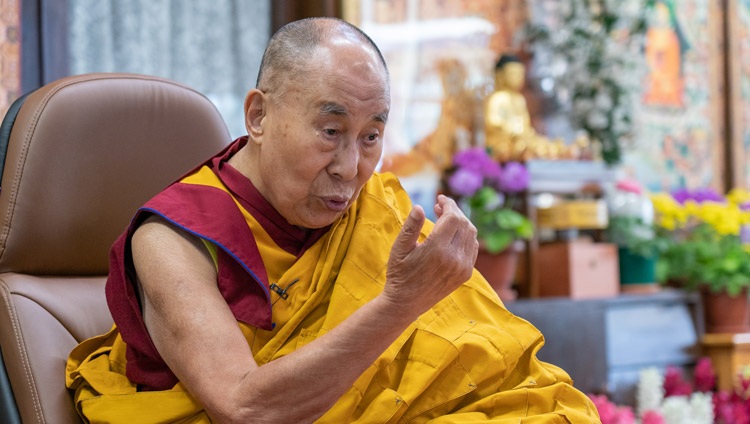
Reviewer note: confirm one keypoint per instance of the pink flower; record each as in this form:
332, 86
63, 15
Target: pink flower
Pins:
729, 408
704, 376
675, 384
609, 413
652, 417
743, 385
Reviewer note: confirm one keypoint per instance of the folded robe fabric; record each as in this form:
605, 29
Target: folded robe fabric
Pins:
466, 360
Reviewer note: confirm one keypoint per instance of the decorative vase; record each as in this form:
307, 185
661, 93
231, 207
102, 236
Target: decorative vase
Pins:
724, 313
499, 269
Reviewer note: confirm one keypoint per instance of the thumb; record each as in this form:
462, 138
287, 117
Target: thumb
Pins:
409, 234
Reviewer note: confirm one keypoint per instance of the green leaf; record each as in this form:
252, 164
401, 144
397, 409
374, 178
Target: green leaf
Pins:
498, 241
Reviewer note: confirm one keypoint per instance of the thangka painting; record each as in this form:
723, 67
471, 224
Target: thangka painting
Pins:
739, 68
10, 53
441, 56
679, 141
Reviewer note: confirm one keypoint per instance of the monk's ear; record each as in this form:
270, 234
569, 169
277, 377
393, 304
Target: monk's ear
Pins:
255, 113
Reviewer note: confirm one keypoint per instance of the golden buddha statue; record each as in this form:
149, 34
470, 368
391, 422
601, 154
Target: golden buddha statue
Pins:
508, 129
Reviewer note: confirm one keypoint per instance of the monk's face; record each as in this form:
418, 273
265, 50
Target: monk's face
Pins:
323, 137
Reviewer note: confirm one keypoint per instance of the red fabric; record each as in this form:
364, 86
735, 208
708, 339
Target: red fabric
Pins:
209, 213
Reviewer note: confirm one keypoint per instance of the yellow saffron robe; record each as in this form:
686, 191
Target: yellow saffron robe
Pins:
467, 360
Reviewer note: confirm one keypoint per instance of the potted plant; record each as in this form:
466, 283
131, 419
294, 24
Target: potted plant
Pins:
708, 251
488, 193
631, 228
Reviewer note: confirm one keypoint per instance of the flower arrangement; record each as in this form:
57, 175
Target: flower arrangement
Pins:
592, 56
487, 192
667, 397
707, 237
631, 225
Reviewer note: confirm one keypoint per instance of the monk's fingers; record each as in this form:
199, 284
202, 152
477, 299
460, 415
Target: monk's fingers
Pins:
449, 222
409, 235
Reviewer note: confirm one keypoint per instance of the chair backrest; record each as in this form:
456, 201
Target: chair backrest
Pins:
82, 154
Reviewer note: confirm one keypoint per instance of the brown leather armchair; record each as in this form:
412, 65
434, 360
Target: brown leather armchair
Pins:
80, 155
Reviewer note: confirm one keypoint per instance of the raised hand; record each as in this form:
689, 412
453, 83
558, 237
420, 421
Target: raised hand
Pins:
421, 274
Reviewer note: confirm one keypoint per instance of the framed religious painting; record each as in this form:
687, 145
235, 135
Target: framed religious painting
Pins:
670, 73
680, 112
738, 66
441, 55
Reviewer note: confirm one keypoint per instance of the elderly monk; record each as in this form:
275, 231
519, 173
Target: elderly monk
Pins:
284, 281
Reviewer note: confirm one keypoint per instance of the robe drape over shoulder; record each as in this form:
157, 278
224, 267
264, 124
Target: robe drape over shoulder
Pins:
466, 360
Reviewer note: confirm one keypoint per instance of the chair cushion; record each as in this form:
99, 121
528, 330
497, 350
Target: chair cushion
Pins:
44, 320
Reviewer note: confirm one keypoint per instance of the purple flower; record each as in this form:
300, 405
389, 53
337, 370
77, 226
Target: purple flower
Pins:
681, 195
465, 182
700, 195
478, 160
492, 171
707, 195
471, 158
514, 178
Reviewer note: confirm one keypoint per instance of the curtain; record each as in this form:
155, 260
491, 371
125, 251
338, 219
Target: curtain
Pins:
214, 46
10, 53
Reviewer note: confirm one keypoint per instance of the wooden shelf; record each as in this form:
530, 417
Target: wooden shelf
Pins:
559, 177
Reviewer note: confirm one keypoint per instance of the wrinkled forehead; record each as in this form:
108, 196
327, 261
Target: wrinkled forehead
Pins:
349, 54
343, 61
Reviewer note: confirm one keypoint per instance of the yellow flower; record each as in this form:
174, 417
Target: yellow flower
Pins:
724, 218
738, 196
669, 213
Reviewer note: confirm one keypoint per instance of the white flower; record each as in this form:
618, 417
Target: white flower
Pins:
582, 106
564, 8
696, 409
595, 59
620, 125
650, 391
629, 9
676, 410
604, 101
702, 407
597, 120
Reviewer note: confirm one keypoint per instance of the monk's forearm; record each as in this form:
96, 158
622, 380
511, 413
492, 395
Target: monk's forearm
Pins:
303, 385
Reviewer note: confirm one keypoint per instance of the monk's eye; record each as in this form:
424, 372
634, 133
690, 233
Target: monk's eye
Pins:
371, 139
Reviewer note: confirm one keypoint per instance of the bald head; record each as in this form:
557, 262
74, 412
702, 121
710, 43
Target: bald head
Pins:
293, 46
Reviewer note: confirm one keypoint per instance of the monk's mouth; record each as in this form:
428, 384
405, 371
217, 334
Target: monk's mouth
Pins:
336, 204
